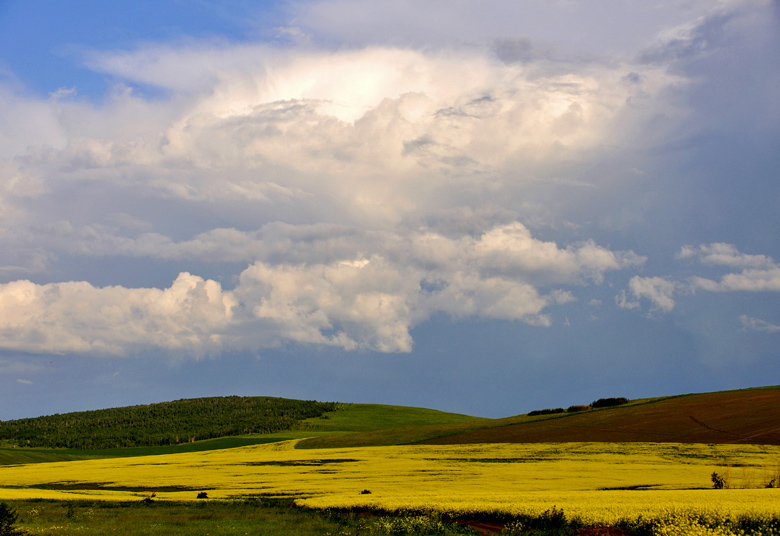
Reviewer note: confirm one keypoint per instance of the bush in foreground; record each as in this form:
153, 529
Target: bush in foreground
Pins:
550, 522
8, 518
413, 525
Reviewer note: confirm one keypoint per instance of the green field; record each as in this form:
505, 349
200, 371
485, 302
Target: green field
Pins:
234, 518
274, 518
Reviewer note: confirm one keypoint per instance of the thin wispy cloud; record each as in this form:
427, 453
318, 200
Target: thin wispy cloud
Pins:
757, 324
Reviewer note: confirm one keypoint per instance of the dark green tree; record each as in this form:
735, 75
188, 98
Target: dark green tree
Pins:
8, 517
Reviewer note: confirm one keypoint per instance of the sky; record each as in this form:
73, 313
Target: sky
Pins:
484, 207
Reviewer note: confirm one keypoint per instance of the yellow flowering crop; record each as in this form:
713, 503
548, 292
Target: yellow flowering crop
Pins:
597, 482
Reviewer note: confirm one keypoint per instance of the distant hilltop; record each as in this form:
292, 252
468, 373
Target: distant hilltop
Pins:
166, 423
747, 416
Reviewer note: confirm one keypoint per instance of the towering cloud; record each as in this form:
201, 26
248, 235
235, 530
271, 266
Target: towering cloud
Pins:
345, 182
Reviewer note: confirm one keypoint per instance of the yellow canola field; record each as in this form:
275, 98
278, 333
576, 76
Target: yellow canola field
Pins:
598, 482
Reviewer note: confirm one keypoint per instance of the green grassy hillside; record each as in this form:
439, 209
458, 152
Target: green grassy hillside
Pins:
372, 424
744, 416
371, 417
343, 420
402, 431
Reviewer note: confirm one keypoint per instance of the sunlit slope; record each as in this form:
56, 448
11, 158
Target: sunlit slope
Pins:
367, 417
370, 425
750, 416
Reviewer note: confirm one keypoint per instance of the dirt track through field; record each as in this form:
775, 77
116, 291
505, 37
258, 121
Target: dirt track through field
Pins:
741, 417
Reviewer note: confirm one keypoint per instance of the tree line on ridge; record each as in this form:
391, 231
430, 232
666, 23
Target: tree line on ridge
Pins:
166, 423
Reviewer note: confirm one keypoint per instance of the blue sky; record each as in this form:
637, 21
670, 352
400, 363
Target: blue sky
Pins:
483, 207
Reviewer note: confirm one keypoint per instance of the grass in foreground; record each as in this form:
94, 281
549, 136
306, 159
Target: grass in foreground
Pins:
224, 518
276, 517
157, 518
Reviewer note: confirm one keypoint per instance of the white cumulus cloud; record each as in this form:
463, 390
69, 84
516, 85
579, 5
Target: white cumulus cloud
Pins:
370, 301
759, 273
658, 290
76, 317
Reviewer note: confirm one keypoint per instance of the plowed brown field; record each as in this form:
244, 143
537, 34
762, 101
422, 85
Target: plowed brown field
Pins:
749, 416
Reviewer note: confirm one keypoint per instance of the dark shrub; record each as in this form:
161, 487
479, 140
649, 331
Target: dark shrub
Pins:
203, 495
548, 411
8, 517
608, 402
756, 524
550, 520
574, 409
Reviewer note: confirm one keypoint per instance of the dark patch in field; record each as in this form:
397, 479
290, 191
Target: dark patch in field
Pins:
525, 459
274, 499
483, 527
601, 531
96, 486
638, 487
708, 427
301, 463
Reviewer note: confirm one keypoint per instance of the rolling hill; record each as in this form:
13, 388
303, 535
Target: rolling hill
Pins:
749, 416
200, 424
165, 423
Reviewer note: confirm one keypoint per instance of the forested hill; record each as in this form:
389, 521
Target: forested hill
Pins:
166, 423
